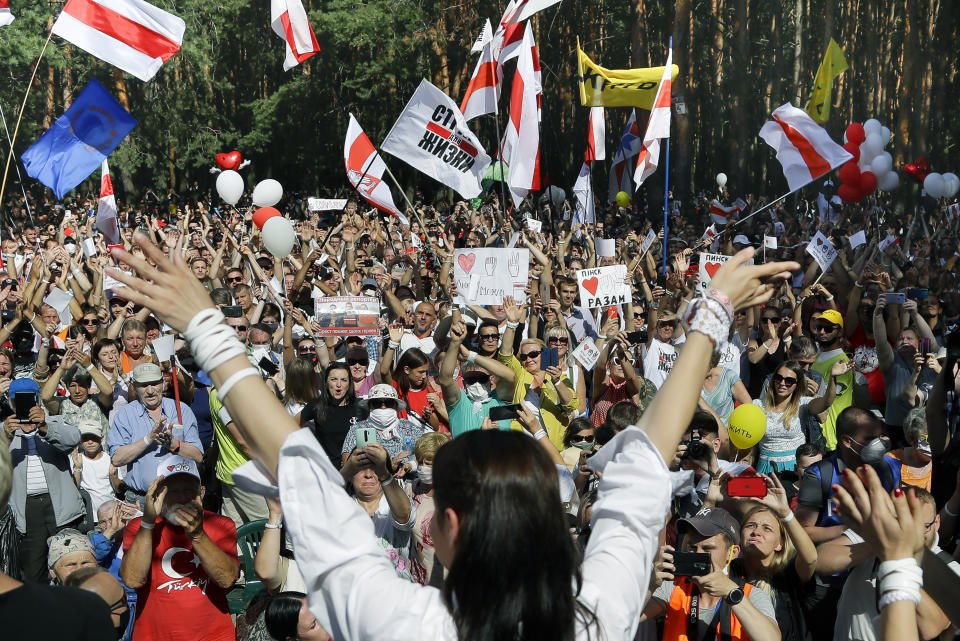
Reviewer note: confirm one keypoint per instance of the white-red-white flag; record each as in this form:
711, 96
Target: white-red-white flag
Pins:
485, 38
483, 92
630, 145
106, 221
5, 16
658, 127
596, 136
130, 34
721, 214
521, 145
530, 7
509, 33
289, 21
365, 169
803, 147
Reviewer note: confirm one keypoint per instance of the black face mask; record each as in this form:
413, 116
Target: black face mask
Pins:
121, 628
826, 342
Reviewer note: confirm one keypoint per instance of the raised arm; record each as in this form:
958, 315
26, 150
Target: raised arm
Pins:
884, 351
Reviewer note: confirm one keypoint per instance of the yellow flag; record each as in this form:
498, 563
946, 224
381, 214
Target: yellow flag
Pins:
832, 66
601, 87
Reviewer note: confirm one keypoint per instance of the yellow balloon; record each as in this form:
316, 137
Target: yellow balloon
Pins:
623, 199
747, 426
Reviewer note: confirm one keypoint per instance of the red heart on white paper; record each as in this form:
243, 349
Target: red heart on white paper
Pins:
467, 261
591, 284
712, 268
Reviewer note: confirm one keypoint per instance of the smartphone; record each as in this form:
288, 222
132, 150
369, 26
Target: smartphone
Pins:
917, 293
691, 564
747, 485
924, 346
505, 412
548, 357
895, 298
232, 311
268, 366
367, 262
366, 436
23, 402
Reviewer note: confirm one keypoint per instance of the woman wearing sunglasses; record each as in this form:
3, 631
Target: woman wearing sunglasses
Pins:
787, 408
560, 338
615, 379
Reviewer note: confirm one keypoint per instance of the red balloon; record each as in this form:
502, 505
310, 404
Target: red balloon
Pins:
231, 160
264, 214
850, 173
868, 182
849, 193
916, 172
923, 164
854, 149
855, 133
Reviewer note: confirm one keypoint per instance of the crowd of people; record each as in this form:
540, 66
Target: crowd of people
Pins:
190, 444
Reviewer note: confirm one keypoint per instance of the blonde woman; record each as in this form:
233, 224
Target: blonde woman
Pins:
560, 338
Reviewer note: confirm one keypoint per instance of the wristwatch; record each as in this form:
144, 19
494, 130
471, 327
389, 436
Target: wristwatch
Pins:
735, 596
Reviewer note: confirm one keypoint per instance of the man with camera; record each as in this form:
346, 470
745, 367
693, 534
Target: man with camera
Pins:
697, 455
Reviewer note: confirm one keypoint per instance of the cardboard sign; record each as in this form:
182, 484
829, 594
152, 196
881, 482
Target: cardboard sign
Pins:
89, 247
603, 286
485, 275
860, 238
347, 315
647, 241
709, 264
326, 204
110, 283
822, 251
60, 301
886, 242
606, 247
163, 347
587, 353
534, 225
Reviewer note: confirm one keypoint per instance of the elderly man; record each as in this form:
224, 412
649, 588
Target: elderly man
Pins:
69, 551
182, 563
146, 431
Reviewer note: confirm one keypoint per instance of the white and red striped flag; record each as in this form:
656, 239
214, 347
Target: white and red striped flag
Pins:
365, 169
803, 147
630, 145
133, 35
509, 33
721, 214
106, 221
483, 92
289, 21
5, 16
521, 145
658, 127
596, 136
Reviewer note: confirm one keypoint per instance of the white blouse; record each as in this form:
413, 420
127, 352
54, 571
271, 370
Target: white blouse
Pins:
355, 593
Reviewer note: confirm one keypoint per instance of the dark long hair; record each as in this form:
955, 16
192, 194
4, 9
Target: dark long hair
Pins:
505, 491
327, 401
412, 358
283, 614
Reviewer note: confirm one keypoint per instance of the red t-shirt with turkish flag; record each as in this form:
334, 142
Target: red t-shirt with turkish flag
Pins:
179, 601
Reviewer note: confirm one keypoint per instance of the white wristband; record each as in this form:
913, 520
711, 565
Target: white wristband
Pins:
395, 346
90, 367
898, 595
271, 526
540, 434
787, 518
147, 441
146, 526
512, 325
233, 379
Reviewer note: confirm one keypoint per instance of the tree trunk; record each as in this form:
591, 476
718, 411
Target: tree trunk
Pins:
798, 48
681, 47
121, 88
905, 117
639, 50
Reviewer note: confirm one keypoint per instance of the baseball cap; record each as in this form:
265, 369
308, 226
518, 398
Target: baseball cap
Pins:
369, 282
90, 426
832, 316
711, 521
175, 464
64, 542
147, 373
740, 239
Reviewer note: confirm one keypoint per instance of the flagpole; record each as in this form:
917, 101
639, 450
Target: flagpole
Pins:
16, 127
767, 206
666, 195
17, 166
404, 194
496, 127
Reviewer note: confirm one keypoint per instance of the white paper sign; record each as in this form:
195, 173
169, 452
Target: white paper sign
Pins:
606, 247
603, 286
326, 204
770, 242
647, 241
587, 353
111, 283
89, 247
822, 251
60, 301
886, 242
484, 275
709, 264
534, 225
860, 238
779, 229
163, 347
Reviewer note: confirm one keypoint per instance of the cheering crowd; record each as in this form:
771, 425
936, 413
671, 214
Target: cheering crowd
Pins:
188, 444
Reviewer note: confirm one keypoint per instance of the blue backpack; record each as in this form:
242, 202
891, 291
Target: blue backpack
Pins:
826, 470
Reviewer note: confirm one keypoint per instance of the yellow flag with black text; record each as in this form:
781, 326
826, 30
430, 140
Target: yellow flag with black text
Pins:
833, 65
600, 87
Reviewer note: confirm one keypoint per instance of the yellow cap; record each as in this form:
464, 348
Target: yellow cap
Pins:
832, 316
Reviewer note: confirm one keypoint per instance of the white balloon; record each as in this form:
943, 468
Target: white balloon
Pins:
874, 144
722, 179
888, 182
267, 193
952, 184
278, 236
885, 135
872, 126
934, 185
881, 164
230, 186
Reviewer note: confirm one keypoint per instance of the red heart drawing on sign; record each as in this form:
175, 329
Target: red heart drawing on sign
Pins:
712, 268
819, 242
170, 468
591, 284
466, 261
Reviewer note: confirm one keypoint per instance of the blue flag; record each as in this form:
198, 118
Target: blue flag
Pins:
79, 141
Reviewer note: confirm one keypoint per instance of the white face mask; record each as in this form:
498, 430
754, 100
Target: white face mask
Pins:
478, 392
425, 472
167, 512
384, 418
260, 351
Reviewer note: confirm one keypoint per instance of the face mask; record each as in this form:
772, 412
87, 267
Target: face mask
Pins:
586, 446
825, 342
384, 417
167, 512
425, 472
121, 628
478, 392
873, 452
260, 351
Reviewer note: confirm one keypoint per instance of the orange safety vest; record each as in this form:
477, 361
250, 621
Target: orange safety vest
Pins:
678, 614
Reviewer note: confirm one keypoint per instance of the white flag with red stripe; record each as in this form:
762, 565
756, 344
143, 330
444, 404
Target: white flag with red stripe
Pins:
289, 21
485, 38
630, 145
596, 136
5, 16
130, 34
585, 211
365, 169
521, 145
658, 127
803, 147
509, 33
721, 214
483, 92
106, 221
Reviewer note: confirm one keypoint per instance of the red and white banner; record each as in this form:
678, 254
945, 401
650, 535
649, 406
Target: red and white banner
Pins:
596, 136
106, 221
630, 145
485, 38
130, 34
803, 147
365, 169
432, 136
483, 92
521, 145
509, 33
585, 211
530, 7
289, 21
5, 16
658, 127
721, 214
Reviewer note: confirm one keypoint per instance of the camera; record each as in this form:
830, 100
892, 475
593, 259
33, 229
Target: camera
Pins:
696, 449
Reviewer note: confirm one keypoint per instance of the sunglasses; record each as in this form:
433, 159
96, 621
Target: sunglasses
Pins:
89, 321
235, 279
790, 381
381, 403
490, 337
470, 378
825, 328
358, 361
588, 438
310, 349
559, 339
241, 328
528, 355
771, 319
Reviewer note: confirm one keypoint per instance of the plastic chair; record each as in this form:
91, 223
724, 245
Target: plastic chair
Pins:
248, 540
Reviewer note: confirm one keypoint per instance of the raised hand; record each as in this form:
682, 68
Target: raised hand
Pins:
745, 284
513, 311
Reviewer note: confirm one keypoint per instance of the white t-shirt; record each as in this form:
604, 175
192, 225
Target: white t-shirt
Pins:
658, 360
95, 479
780, 437
425, 344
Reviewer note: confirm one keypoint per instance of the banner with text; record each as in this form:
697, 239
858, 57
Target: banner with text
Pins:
347, 316
709, 264
603, 286
484, 275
